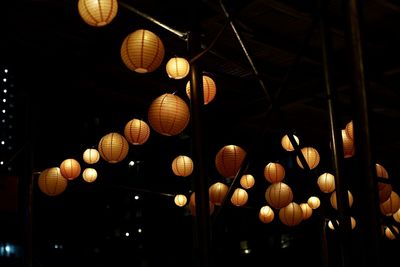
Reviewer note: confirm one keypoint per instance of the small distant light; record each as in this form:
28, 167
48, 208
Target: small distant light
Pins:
5, 79
9, 168
4, 100
1, 162
139, 230
4, 111
127, 234
2, 142
247, 251
7, 248
136, 197
55, 246
131, 163
3, 121
5, 91
5, 70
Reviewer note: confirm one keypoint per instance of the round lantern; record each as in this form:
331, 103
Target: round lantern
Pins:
70, 169
287, 145
389, 233
331, 225
348, 145
353, 223
349, 130
209, 89
291, 215
278, 195
306, 211
384, 192
142, 51
51, 182
168, 114
97, 12
247, 181
89, 175
177, 68
91, 156
396, 216
113, 147
274, 172
326, 182
313, 202
217, 192
266, 214
311, 156
390, 206
192, 205
334, 201
381, 172
182, 166
239, 197
136, 132
180, 200
229, 159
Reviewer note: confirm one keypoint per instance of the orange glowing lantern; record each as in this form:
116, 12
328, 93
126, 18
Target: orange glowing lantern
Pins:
333, 199
396, 216
274, 172
209, 89
70, 169
326, 182
51, 182
239, 197
353, 223
278, 195
287, 145
266, 214
291, 215
182, 166
349, 130
136, 132
384, 192
91, 156
306, 211
311, 156
113, 147
390, 206
97, 12
89, 175
348, 145
247, 181
168, 114
389, 233
180, 200
313, 202
217, 192
229, 159
177, 68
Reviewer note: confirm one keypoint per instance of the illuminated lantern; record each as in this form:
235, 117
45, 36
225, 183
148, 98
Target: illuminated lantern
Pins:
291, 215
91, 156
384, 192
287, 145
313, 202
182, 166
209, 89
180, 200
331, 226
278, 195
349, 130
396, 216
113, 147
353, 223
390, 206
247, 181
168, 114
142, 51
311, 156
136, 132
97, 12
51, 182
306, 211
217, 192
70, 169
274, 172
177, 68
266, 214
239, 197
229, 159
326, 182
389, 233
192, 205
348, 145
334, 201
381, 172
89, 175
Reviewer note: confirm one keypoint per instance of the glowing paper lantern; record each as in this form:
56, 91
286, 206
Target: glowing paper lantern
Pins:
396, 216
274, 172
311, 156
313, 202
349, 130
348, 145
217, 192
180, 200
91, 156
353, 223
291, 215
97, 12
389, 233
384, 192
182, 166
266, 214
334, 201
229, 159
306, 211
177, 68
278, 195
168, 114
89, 175
247, 181
142, 51
287, 145
51, 182
136, 132
326, 182
70, 169
209, 89
192, 205
113, 147
390, 206
381, 172
239, 197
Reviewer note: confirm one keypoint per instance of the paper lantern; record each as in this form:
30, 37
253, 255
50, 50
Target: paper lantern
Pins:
217, 192
89, 175
306, 211
390, 234
113, 147
287, 145
390, 206
266, 214
384, 192
192, 205
97, 12
396, 216
247, 181
182, 166
311, 156
142, 51
334, 201
229, 159
313, 202
326, 182
239, 197
51, 182
180, 200
278, 195
209, 89
381, 172
91, 156
177, 68
353, 223
168, 114
274, 172
349, 130
348, 145
291, 215
136, 132
70, 169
